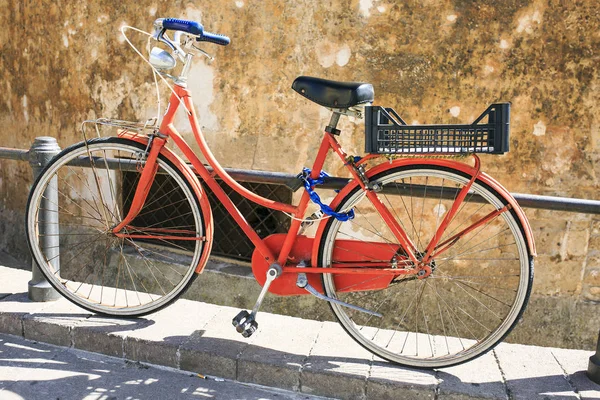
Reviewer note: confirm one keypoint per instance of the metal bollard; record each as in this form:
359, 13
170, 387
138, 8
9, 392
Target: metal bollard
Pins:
593, 371
41, 152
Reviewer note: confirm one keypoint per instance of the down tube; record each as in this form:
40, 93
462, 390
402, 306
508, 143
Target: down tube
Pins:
223, 198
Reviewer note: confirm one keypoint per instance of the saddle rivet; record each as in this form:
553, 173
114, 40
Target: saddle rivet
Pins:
303, 91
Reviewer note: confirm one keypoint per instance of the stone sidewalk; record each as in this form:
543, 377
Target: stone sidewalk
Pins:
311, 357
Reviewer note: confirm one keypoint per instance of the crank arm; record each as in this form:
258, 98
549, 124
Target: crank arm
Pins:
302, 282
244, 322
272, 273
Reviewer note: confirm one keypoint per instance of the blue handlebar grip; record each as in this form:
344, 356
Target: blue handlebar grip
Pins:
215, 38
183, 25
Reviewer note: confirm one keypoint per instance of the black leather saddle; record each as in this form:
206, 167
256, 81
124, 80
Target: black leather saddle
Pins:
334, 94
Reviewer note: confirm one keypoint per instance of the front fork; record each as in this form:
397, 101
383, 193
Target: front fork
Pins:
148, 168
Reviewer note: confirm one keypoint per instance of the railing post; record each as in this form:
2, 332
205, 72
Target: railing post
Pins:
41, 152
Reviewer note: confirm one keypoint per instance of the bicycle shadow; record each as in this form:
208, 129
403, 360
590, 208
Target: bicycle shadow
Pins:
113, 325
67, 311
381, 375
557, 386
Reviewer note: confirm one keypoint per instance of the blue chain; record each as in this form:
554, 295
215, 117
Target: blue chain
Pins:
309, 183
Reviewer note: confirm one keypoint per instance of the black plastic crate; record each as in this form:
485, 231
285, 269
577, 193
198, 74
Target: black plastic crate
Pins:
387, 133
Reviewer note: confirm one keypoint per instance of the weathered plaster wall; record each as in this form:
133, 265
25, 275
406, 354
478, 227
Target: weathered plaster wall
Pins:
434, 61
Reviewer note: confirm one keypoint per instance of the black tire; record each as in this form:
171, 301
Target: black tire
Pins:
477, 291
82, 259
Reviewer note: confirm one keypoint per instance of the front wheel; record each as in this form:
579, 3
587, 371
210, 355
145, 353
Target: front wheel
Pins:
76, 201
477, 289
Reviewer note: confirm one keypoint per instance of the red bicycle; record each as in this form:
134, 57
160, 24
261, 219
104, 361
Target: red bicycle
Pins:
425, 260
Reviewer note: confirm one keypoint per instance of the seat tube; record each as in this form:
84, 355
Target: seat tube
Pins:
292, 234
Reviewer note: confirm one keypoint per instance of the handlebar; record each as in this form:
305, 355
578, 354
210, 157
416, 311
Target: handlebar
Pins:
192, 28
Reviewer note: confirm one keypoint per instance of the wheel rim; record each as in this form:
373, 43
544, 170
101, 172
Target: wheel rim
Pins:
84, 260
435, 325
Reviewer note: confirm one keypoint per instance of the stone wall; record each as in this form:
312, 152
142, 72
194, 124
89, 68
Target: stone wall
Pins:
434, 61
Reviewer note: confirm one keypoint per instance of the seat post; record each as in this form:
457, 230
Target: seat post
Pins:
332, 127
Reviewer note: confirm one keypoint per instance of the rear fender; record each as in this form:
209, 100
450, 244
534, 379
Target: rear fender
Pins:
187, 172
488, 180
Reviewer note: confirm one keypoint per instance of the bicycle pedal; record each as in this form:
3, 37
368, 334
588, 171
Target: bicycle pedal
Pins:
249, 329
239, 319
245, 324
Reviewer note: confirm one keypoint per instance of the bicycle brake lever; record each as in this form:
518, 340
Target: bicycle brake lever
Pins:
205, 54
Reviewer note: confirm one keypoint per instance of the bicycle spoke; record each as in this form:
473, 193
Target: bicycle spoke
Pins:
76, 216
443, 325
112, 190
469, 250
128, 268
95, 207
478, 251
394, 211
475, 234
97, 181
403, 318
470, 282
158, 200
67, 234
90, 192
406, 208
427, 329
374, 232
448, 309
422, 213
452, 308
461, 284
91, 242
155, 267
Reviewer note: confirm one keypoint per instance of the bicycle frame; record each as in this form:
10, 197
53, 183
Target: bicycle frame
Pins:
169, 131
329, 143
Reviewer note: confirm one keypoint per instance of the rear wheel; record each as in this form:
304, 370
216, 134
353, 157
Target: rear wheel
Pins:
73, 206
477, 289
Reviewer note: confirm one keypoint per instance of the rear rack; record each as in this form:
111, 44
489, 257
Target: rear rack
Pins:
387, 133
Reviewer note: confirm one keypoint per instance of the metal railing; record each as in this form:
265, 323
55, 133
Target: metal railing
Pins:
554, 203
44, 148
